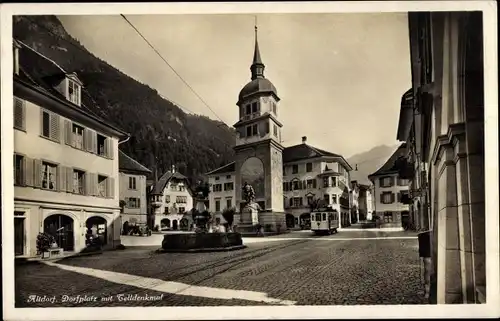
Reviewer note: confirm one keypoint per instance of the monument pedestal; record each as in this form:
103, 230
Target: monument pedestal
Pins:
249, 218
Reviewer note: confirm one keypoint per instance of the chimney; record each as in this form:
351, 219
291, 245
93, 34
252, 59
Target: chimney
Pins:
173, 169
304, 139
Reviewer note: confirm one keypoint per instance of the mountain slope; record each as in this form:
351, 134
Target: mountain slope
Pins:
369, 161
194, 143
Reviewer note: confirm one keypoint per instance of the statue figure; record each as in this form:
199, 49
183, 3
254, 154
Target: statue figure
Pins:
248, 193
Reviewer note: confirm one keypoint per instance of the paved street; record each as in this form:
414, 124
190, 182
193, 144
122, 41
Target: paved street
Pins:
363, 267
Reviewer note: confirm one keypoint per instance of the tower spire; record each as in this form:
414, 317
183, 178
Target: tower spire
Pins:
257, 66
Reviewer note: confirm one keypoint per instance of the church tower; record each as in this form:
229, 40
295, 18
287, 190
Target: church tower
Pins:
258, 146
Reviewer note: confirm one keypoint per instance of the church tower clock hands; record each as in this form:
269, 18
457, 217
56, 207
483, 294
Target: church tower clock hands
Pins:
258, 149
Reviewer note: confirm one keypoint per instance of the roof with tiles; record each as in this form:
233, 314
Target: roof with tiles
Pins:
128, 164
158, 188
44, 74
390, 166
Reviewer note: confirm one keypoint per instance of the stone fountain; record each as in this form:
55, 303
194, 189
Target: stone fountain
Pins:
203, 238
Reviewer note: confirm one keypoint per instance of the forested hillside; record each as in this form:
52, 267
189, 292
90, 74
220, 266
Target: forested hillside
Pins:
195, 144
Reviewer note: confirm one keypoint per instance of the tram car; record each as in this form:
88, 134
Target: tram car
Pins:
324, 221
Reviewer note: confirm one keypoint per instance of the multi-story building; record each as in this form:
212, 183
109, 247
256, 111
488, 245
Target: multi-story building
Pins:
443, 126
65, 159
308, 173
391, 192
222, 193
132, 189
354, 200
365, 202
172, 201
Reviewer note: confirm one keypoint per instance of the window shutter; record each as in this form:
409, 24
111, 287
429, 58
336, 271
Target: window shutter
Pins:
87, 182
391, 181
19, 114
381, 182
93, 139
87, 138
69, 179
68, 133
110, 192
28, 171
399, 197
382, 198
304, 185
291, 201
55, 133
138, 203
61, 178
109, 148
392, 197
314, 183
37, 173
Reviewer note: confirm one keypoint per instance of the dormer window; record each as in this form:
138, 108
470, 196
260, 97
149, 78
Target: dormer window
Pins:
74, 90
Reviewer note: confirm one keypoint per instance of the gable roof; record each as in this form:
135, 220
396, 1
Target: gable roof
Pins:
163, 181
127, 163
290, 154
229, 168
390, 165
43, 74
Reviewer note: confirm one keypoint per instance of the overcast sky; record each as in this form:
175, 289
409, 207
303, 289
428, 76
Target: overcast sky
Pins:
340, 77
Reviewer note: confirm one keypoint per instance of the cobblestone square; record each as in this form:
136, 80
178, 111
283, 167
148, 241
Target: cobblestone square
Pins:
352, 268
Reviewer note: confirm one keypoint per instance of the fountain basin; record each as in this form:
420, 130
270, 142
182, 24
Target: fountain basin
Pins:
202, 242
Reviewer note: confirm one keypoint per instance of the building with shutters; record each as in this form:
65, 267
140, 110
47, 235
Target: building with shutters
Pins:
172, 201
133, 200
443, 127
308, 173
284, 180
65, 159
391, 192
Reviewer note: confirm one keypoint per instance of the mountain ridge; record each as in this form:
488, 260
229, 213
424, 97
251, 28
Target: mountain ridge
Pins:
162, 133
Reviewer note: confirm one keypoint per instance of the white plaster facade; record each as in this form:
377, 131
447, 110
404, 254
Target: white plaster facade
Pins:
65, 169
133, 193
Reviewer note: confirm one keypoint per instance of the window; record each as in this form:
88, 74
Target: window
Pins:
388, 218
133, 202
249, 131
228, 176
295, 169
228, 186
326, 182
255, 130
311, 183
19, 170
49, 178
167, 198
275, 130
78, 182
296, 185
73, 92
309, 167
181, 210
166, 210
229, 203
297, 201
387, 198
182, 188
254, 108
217, 187
19, 114
102, 182
326, 197
274, 107
386, 182
248, 109
334, 181
217, 205
50, 125
310, 199
324, 216
77, 133
101, 145
403, 182
216, 178
132, 183
284, 170
181, 199
334, 199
